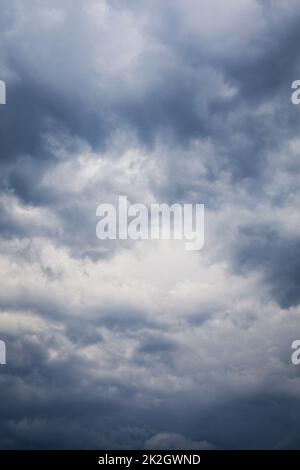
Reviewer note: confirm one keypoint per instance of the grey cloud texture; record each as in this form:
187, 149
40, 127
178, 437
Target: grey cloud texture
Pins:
143, 345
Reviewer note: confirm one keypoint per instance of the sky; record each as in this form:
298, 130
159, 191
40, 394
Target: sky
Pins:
120, 344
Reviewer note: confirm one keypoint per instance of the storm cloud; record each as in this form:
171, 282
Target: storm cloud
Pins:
121, 344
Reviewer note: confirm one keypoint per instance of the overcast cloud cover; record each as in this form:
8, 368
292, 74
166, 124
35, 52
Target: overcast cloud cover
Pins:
143, 344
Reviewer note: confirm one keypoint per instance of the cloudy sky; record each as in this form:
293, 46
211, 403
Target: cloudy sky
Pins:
142, 344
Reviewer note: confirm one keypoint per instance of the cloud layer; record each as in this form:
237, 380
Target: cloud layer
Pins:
143, 345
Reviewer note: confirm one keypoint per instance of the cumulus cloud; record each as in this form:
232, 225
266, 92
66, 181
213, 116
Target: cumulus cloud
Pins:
175, 442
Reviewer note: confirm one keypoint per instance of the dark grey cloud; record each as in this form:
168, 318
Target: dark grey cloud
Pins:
276, 256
